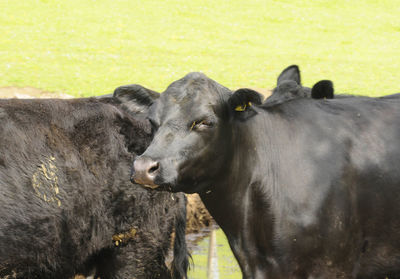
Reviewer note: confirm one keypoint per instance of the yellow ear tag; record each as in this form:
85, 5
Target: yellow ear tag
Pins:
243, 107
194, 123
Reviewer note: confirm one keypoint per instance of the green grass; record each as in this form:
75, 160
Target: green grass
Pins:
90, 47
226, 263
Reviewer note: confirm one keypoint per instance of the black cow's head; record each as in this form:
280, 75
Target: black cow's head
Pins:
289, 87
191, 120
135, 100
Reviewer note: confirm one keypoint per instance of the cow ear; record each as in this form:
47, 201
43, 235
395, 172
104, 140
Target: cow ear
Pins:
135, 98
242, 100
323, 90
290, 73
286, 91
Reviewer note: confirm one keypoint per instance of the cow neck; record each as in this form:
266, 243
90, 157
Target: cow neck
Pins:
240, 200
223, 203
231, 193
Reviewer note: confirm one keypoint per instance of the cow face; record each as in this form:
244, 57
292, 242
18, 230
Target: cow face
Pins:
192, 121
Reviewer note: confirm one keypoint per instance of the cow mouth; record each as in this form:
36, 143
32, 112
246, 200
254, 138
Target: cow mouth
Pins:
147, 183
164, 187
153, 186
158, 187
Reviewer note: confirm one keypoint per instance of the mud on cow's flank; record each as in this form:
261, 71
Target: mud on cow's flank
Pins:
47, 190
124, 237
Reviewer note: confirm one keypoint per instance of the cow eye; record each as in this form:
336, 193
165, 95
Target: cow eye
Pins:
201, 125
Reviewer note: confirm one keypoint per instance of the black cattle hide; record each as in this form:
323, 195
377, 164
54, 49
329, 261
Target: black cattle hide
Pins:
302, 188
66, 203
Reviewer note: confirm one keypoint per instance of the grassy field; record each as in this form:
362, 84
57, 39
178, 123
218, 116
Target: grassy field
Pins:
90, 47
225, 266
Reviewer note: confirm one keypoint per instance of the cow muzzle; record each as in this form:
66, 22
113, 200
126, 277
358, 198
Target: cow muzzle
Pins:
144, 171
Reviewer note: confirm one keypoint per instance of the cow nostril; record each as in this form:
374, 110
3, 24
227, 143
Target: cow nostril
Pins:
154, 168
145, 170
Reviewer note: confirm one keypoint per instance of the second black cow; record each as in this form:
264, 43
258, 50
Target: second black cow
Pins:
302, 188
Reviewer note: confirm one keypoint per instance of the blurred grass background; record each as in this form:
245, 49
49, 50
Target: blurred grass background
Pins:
90, 47
225, 265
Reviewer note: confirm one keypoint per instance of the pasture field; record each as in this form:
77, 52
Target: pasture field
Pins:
86, 48
90, 47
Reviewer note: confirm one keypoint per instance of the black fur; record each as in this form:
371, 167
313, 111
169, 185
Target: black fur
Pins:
304, 189
242, 101
290, 73
244, 96
135, 97
288, 87
322, 90
65, 193
180, 264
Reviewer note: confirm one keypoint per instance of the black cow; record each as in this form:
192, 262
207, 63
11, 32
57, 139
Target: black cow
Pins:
321, 90
303, 189
66, 207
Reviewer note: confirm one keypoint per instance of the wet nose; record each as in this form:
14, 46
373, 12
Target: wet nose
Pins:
144, 171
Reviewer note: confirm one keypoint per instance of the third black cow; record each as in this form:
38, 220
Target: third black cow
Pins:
302, 188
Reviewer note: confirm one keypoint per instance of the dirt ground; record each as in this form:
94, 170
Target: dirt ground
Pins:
263, 91
29, 93
197, 215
